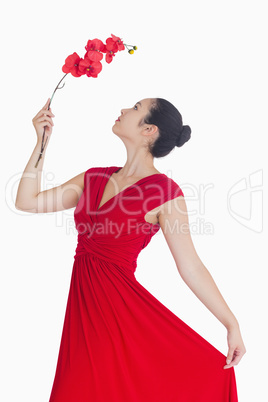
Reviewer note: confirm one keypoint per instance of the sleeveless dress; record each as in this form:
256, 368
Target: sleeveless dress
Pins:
119, 343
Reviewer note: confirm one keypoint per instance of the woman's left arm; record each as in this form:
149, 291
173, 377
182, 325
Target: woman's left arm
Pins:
174, 222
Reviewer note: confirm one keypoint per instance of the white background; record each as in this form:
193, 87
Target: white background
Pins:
209, 58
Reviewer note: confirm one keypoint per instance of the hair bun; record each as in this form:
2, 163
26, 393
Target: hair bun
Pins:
184, 135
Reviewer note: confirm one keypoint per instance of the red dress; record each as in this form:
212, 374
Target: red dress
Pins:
119, 343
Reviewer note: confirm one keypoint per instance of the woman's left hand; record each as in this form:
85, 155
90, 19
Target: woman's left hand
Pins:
236, 347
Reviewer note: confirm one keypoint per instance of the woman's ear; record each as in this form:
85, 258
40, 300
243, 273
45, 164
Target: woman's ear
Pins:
151, 129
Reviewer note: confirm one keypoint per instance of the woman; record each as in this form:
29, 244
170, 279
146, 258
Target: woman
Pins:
119, 343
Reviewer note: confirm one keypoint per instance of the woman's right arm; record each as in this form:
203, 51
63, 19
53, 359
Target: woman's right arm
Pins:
29, 197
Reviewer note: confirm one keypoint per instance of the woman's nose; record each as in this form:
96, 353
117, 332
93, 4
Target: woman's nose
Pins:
123, 111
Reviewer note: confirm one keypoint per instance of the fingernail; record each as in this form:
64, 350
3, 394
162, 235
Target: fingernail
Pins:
228, 361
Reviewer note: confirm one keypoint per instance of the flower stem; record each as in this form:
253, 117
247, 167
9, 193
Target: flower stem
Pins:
44, 145
127, 45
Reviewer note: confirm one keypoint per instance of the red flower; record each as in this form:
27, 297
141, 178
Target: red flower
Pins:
71, 65
94, 48
119, 42
89, 67
111, 49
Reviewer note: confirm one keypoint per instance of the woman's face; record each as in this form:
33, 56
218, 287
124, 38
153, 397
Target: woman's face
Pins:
128, 125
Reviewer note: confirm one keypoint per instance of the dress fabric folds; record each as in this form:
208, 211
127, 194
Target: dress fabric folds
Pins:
119, 343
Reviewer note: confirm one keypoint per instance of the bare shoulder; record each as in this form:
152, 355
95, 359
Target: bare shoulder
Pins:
77, 180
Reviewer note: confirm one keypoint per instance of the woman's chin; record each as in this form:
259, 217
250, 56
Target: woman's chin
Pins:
114, 128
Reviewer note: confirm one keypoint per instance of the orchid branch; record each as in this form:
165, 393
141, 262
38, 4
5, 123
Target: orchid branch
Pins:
90, 65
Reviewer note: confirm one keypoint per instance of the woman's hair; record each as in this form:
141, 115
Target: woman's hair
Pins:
172, 132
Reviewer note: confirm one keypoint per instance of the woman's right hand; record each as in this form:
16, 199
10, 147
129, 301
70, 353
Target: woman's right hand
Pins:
43, 119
